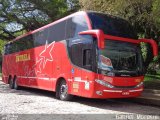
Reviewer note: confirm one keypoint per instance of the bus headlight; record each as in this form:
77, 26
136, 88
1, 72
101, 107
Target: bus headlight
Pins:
106, 84
139, 85
111, 74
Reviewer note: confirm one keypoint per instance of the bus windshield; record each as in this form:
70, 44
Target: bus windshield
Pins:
112, 25
121, 58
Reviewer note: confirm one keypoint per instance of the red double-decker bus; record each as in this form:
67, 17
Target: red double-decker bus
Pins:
87, 54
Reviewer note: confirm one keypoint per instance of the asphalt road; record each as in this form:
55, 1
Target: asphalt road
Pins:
33, 101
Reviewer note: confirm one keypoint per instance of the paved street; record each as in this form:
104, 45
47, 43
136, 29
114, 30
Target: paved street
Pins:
31, 101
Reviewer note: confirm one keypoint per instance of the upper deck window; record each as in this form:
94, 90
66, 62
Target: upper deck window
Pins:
75, 25
112, 25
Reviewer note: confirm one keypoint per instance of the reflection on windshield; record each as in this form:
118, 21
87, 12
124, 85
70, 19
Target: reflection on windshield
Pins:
105, 63
120, 57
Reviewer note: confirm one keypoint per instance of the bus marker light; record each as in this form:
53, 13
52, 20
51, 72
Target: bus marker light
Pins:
99, 92
76, 85
138, 80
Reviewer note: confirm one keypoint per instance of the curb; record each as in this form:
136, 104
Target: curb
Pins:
151, 91
147, 101
149, 97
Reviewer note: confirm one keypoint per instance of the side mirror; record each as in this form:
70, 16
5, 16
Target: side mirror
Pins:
99, 34
153, 44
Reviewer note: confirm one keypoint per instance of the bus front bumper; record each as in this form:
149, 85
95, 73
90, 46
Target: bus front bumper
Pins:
109, 93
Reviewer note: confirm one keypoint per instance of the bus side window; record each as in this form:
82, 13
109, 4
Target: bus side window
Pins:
75, 25
40, 38
23, 44
87, 60
56, 32
5, 49
81, 55
81, 24
76, 54
9, 48
70, 29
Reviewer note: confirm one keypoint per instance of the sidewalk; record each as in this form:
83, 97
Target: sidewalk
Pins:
149, 97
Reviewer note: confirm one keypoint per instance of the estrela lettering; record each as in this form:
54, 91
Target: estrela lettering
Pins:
23, 57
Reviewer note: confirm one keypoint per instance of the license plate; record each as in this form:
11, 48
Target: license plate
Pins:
125, 93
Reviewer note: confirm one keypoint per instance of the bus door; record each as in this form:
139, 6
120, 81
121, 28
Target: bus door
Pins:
81, 58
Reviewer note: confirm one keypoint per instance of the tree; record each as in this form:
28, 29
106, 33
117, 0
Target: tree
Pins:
106, 6
27, 15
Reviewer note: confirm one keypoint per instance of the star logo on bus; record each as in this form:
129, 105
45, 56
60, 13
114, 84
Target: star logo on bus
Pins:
38, 66
46, 53
26, 69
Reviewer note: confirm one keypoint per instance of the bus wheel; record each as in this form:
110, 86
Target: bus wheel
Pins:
63, 91
15, 84
11, 85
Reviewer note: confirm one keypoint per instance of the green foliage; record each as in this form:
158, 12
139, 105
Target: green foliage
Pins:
152, 81
20, 16
144, 50
2, 43
156, 13
106, 6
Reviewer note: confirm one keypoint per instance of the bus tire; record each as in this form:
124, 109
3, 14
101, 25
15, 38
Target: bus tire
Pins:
11, 84
15, 84
62, 91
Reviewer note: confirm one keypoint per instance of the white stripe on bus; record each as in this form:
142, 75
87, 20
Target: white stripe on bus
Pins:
112, 91
135, 90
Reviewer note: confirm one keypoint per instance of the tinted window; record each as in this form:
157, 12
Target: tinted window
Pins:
50, 34
112, 25
57, 32
75, 25
81, 53
87, 57
19, 45
76, 54
40, 38
24, 43
53, 33
7, 48
121, 57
